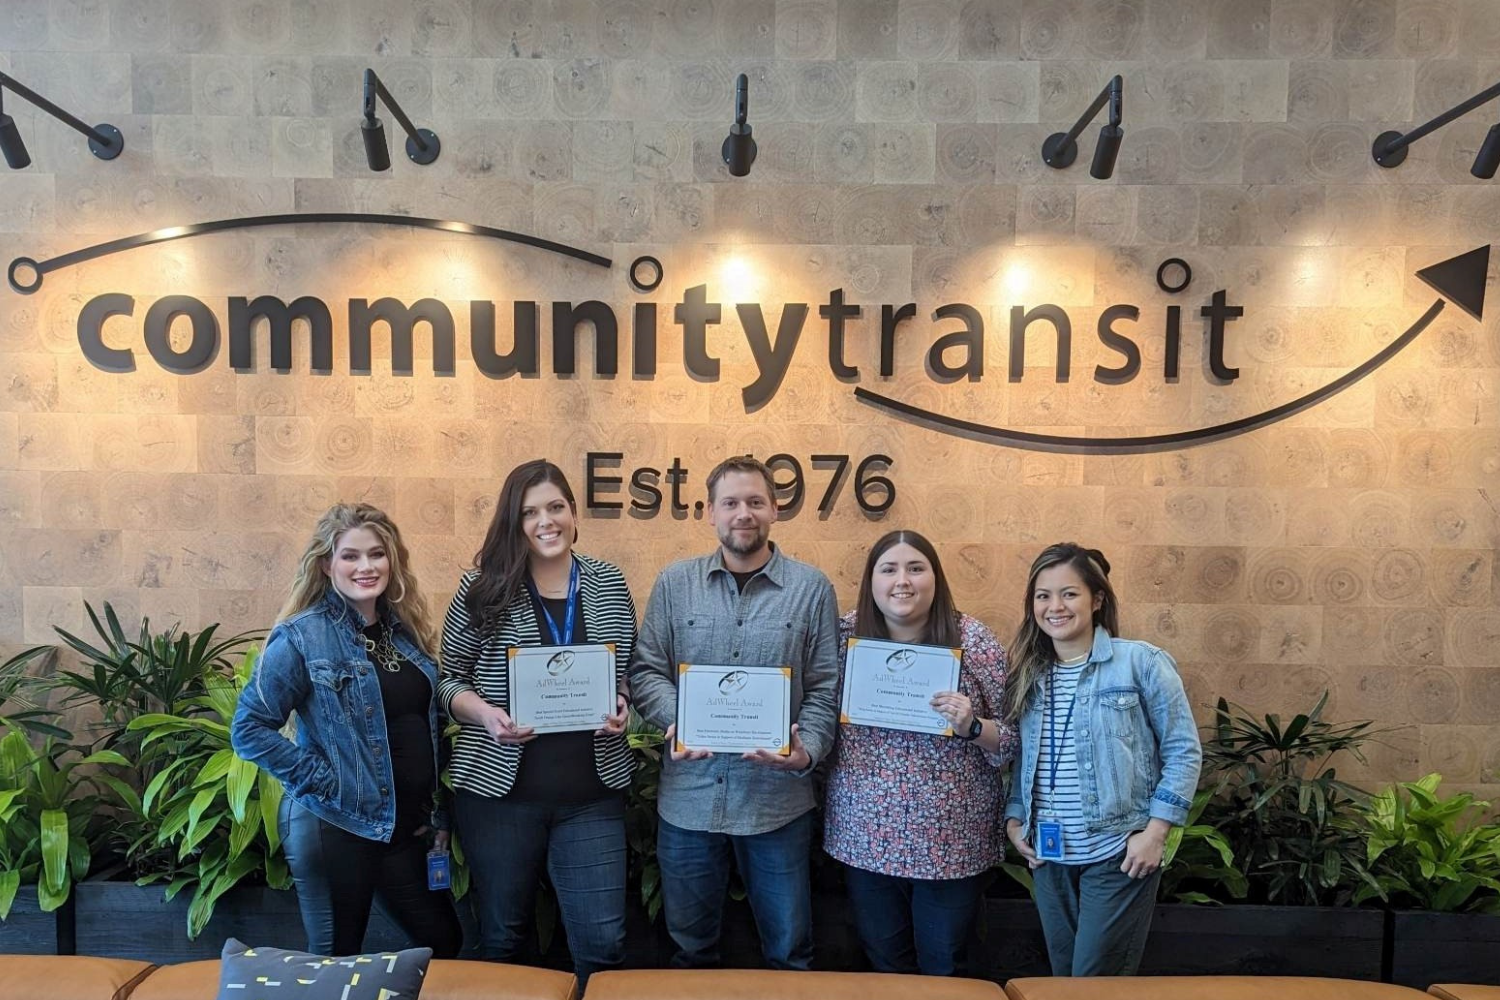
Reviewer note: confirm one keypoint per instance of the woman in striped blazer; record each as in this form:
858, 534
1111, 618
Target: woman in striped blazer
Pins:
524, 800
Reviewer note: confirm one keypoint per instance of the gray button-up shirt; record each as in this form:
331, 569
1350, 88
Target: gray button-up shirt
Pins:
786, 616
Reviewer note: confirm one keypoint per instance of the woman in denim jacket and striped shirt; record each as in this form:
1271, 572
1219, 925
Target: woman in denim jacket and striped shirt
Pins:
1109, 763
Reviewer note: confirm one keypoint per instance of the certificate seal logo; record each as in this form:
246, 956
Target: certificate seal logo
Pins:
900, 661
560, 663
733, 682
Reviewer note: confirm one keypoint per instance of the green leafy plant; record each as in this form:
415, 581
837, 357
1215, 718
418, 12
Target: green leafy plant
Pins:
1429, 852
1292, 824
213, 814
18, 711
1198, 857
645, 741
48, 818
124, 677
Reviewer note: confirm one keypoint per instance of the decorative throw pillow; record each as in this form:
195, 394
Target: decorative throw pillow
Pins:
247, 973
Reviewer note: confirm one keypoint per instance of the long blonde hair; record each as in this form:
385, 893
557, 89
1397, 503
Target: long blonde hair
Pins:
1032, 653
402, 595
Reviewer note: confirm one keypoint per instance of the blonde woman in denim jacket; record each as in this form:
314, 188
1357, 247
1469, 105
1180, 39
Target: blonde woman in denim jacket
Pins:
351, 658
1108, 765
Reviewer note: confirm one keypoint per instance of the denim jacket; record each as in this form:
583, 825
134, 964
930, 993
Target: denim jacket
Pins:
1138, 749
339, 768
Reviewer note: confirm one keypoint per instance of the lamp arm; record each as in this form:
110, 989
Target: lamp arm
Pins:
1441, 120
1112, 94
373, 89
741, 99
21, 90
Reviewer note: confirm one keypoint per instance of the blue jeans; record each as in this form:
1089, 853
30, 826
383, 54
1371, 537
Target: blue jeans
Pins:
913, 924
583, 848
1095, 917
777, 872
339, 875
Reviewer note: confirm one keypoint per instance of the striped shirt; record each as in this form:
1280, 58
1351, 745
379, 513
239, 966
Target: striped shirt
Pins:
1063, 802
478, 663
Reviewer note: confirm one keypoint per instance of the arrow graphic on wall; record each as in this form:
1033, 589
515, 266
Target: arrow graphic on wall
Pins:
1460, 280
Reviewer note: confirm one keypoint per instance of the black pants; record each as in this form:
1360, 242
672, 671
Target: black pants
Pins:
339, 874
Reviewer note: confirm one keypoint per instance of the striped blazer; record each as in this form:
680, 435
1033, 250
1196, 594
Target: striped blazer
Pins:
475, 662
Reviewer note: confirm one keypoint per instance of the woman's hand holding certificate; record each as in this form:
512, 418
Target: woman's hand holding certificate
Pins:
892, 684
563, 689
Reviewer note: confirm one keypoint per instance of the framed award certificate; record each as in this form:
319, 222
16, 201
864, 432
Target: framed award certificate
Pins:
562, 689
891, 684
734, 709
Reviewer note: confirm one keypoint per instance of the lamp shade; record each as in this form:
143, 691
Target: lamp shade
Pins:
11, 145
1489, 155
739, 150
377, 153
1106, 152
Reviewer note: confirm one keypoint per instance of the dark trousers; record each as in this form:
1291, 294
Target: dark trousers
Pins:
339, 875
582, 847
777, 872
1095, 917
913, 924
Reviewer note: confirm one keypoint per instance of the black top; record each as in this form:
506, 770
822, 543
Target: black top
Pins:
740, 579
405, 695
559, 767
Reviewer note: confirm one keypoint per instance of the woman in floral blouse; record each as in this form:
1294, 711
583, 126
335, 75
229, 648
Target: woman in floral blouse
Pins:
915, 818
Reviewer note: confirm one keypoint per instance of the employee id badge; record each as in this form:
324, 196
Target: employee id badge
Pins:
1049, 840
438, 874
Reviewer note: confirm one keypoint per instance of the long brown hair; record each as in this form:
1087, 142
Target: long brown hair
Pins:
1032, 653
942, 627
503, 559
402, 595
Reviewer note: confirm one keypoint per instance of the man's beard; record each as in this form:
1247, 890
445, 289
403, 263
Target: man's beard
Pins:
746, 548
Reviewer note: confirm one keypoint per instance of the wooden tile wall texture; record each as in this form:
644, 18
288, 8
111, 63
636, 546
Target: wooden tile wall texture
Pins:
1350, 548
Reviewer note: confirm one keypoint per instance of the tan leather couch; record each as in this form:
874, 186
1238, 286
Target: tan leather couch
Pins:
1209, 988
46, 977
760, 984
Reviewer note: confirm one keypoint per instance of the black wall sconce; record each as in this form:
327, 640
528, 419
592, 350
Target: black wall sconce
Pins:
105, 141
422, 144
1390, 147
1061, 148
739, 147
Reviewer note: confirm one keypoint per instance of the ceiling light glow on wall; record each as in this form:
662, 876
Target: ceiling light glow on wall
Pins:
1061, 148
422, 144
105, 141
739, 147
1389, 149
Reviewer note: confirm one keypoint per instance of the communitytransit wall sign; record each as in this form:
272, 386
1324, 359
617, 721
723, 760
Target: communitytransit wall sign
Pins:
955, 354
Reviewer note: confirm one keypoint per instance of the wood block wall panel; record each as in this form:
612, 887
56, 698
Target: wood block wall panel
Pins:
1350, 547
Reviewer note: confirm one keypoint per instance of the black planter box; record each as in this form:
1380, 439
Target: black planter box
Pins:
1265, 941
29, 931
1008, 942
1428, 947
124, 920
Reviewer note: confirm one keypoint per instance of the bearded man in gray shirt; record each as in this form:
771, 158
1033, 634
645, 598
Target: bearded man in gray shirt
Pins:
746, 604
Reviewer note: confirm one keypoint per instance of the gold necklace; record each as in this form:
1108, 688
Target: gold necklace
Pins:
383, 651
1073, 661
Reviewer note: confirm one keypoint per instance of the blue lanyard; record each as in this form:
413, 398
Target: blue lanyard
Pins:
565, 637
1052, 736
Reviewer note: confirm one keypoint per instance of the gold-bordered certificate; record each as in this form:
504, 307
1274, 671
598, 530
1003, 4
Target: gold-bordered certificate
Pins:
734, 709
562, 689
890, 684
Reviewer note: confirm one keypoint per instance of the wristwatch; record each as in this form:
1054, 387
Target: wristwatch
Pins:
975, 729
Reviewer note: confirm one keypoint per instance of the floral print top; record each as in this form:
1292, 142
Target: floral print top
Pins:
913, 805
